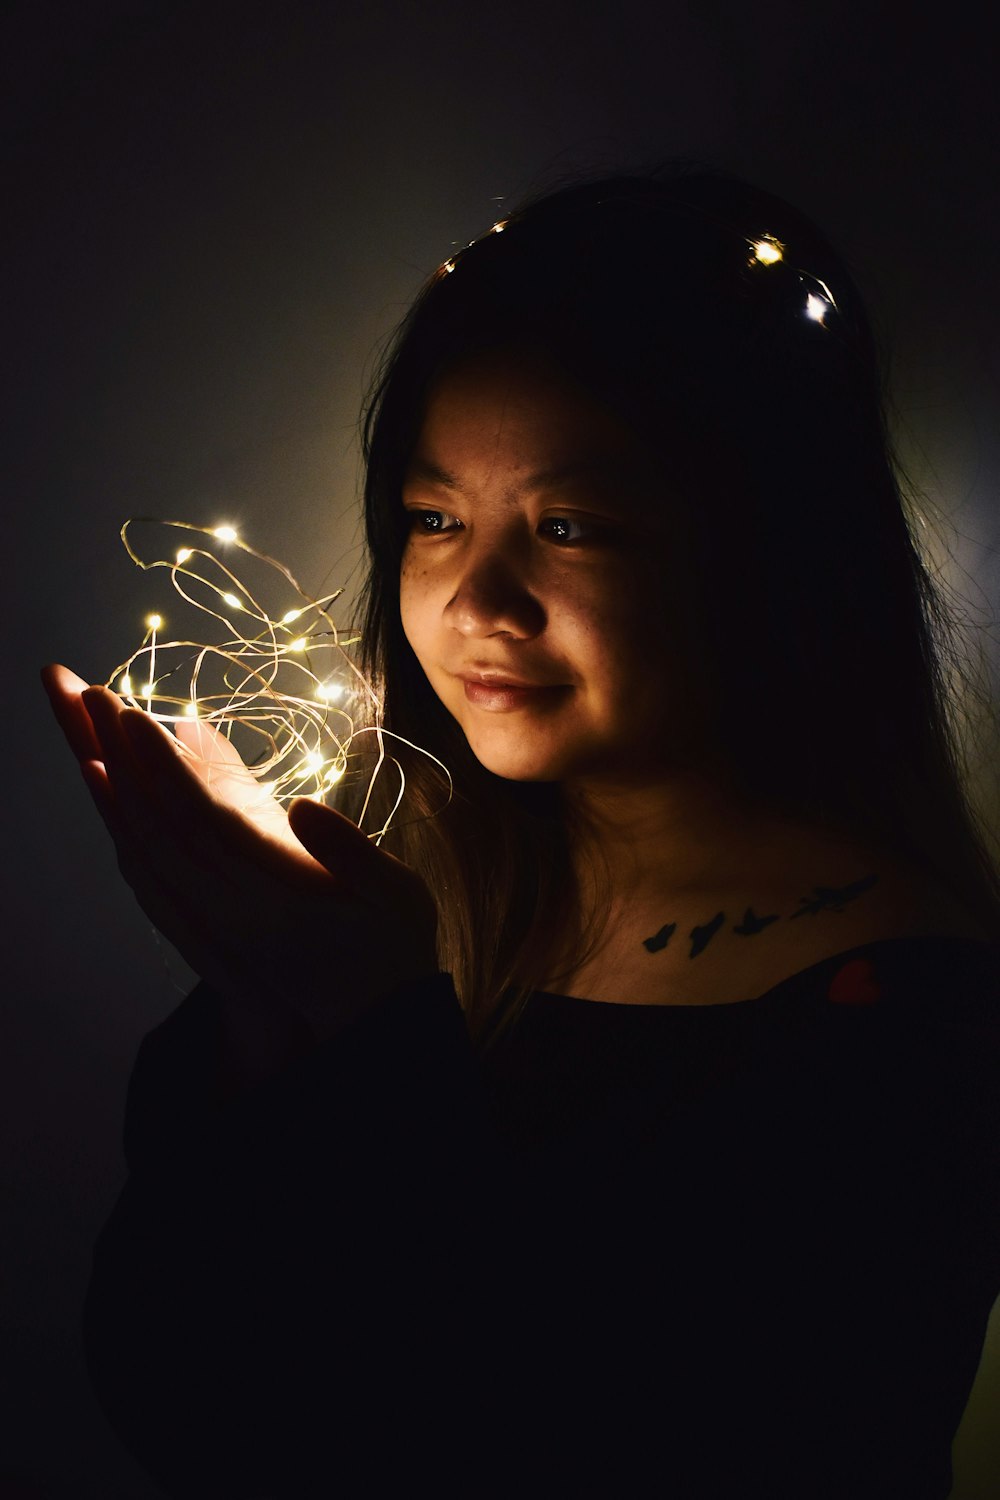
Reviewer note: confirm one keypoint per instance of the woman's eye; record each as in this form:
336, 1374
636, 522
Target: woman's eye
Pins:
431, 522
563, 529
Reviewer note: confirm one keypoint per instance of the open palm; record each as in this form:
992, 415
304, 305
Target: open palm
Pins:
298, 910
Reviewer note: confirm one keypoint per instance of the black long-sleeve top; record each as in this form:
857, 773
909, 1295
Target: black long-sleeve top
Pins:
694, 1251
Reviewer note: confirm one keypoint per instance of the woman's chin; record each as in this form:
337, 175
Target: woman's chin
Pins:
517, 762
517, 770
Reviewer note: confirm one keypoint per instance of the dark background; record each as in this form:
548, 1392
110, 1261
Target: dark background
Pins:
213, 216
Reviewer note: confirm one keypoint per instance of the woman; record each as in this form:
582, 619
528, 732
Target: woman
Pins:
697, 1192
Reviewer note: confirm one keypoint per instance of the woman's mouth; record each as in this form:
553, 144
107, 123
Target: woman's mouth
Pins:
500, 697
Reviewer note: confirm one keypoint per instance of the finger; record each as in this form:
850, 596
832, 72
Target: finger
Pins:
184, 917
341, 847
132, 784
170, 775
158, 797
64, 689
132, 853
96, 777
104, 709
214, 832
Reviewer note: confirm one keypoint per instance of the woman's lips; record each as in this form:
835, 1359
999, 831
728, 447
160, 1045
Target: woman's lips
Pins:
501, 697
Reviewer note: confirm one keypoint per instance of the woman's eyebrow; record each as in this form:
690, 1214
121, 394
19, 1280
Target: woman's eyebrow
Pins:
604, 467
422, 470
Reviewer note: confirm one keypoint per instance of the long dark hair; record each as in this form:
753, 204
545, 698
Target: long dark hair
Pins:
717, 322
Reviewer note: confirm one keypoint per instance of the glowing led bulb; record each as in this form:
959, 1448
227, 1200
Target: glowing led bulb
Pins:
290, 615
269, 787
184, 554
225, 533
148, 689
328, 691
314, 761
232, 601
768, 250
299, 645
154, 621
191, 710
126, 685
816, 307
448, 266
333, 775
499, 227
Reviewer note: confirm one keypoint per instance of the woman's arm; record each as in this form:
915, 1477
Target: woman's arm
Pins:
281, 1300
254, 1042
307, 1150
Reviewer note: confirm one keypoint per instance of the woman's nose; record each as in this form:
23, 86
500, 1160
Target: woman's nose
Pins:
492, 598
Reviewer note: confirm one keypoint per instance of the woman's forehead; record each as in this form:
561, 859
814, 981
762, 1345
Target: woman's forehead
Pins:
520, 413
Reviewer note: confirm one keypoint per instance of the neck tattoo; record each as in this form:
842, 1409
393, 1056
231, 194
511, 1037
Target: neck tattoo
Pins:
823, 898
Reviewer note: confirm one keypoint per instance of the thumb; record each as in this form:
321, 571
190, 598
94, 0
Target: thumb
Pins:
341, 847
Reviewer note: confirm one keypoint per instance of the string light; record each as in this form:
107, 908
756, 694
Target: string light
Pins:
765, 250
298, 700
769, 251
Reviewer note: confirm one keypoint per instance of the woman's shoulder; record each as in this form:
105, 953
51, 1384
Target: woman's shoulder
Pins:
867, 895
800, 898
910, 900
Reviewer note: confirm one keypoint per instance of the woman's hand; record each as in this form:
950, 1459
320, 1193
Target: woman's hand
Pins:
298, 911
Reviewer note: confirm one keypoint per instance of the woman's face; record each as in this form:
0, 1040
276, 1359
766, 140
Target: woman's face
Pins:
541, 578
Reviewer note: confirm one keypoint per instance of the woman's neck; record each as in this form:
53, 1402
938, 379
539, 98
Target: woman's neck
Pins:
683, 835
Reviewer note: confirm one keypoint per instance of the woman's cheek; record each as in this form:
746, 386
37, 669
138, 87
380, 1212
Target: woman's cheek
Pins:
410, 602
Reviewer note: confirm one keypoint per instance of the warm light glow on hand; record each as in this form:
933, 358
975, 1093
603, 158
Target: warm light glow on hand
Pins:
294, 699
